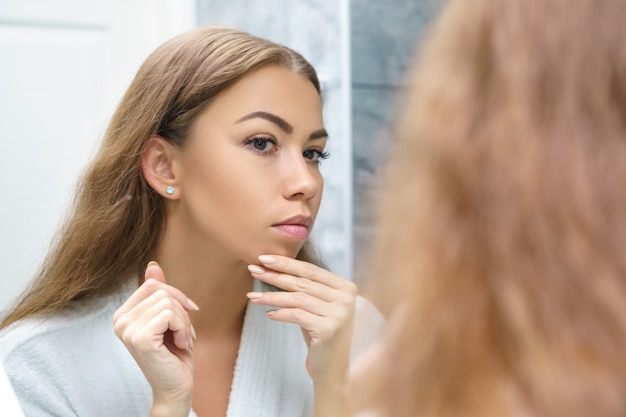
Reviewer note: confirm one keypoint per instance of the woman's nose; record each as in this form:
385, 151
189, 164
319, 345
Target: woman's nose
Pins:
301, 178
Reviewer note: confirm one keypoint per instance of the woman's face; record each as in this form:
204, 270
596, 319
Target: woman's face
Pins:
249, 173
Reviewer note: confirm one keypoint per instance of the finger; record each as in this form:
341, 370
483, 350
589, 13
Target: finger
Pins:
148, 307
161, 298
155, 271
303, 269
149, 287
299, 300
145, 291
318, 328
148, 329
292, 283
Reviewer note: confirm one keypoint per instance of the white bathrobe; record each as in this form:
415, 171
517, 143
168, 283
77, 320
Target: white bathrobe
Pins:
72, 364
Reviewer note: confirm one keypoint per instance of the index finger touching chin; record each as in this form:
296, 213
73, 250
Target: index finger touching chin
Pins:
301, 269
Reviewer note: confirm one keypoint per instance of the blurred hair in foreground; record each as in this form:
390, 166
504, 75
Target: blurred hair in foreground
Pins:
501, 231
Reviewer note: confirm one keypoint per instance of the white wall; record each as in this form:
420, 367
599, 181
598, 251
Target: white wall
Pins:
64, 64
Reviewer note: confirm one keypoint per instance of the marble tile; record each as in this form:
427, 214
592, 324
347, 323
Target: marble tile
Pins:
384, 38
310, 27
372, 112
384, 35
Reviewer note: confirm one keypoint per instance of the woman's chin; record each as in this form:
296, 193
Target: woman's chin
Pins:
290, 251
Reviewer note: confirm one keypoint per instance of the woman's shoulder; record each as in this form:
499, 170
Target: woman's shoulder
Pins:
10, 403
74, 322
71, 362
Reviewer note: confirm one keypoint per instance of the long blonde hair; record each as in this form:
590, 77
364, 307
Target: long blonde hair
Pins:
501, 229
117, 218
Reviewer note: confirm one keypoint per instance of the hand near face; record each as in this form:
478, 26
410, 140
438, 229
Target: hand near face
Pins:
155, 327
320, 302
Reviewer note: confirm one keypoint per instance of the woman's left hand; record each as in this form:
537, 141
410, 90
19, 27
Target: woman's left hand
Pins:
320, 302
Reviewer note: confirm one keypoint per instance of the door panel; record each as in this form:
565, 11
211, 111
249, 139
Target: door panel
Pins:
63, 67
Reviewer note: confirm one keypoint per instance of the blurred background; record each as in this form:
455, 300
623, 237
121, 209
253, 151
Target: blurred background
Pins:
64, 65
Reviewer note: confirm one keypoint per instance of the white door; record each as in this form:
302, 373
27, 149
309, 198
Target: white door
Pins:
64, 65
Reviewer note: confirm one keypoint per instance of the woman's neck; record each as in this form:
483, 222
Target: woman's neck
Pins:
217, 286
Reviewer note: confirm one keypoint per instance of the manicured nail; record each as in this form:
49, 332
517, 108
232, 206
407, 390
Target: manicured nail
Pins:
192, 304
152, 263
254, 295
255, 269
193, 333
267, 259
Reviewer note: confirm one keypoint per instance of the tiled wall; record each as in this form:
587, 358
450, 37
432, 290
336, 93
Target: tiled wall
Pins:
360, 49
384, 35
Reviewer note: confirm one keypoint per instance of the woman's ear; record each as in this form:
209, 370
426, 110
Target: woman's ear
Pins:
157, 166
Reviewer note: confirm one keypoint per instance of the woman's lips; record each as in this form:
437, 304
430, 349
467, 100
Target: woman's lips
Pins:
295, 231
296, 227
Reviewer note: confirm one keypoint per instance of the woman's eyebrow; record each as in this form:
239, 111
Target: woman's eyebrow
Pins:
281, 123
322, 133
277, 120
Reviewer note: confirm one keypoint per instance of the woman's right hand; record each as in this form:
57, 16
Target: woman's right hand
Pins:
155, 327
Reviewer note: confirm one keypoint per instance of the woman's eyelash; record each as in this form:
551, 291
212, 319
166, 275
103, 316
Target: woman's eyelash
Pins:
262, 141
259, 144
319, 155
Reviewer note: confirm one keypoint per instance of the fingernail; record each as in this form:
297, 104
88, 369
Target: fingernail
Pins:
254, 295
255, 269
193, 333
192, 304
267, 259
152, 263
270, 313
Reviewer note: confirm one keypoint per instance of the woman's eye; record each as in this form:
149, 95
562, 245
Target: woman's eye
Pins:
262, 144
315, 155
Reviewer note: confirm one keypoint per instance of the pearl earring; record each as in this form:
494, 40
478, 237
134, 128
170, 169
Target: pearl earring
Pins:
169, 190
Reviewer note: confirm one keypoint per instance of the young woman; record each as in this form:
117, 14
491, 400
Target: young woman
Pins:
189, 241
500, 255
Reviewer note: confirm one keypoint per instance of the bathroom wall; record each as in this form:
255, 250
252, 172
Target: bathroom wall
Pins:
383, 39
